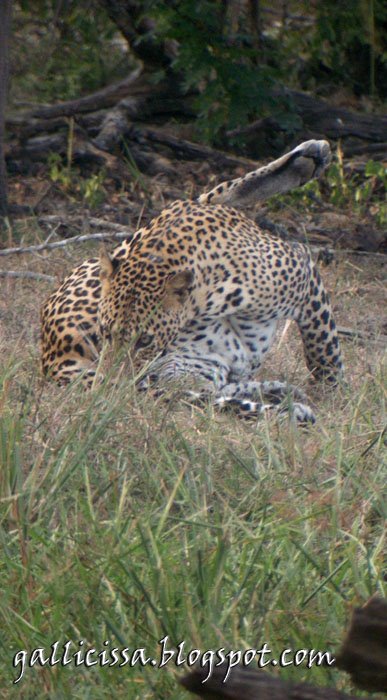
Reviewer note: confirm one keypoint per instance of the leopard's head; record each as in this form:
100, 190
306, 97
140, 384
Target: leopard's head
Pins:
143, 304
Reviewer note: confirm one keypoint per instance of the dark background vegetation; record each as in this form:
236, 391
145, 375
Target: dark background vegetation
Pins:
230, 74
231, 53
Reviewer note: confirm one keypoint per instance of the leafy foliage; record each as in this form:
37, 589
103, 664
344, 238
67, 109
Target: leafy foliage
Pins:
362, 193
228, 58
89, 190
226, 67
349, 44
76, 53
234, 65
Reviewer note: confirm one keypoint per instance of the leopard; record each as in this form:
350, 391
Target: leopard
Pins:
197, 295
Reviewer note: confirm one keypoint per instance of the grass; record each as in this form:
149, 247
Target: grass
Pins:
125, 519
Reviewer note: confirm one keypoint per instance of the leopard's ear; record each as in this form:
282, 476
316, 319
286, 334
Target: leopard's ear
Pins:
107, 268
177, 288
105, 262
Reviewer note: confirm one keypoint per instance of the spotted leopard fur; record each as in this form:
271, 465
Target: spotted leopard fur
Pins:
199, 293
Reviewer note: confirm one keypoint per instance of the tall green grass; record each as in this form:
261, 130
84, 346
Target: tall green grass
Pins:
125, 519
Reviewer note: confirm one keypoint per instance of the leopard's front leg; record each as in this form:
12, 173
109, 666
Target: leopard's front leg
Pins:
252, 399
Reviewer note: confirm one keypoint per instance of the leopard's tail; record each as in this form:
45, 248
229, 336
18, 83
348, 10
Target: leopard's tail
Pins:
294, 169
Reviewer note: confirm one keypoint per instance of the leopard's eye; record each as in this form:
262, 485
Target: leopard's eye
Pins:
143, 341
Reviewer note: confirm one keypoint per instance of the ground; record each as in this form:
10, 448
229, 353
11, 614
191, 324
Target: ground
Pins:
124, 520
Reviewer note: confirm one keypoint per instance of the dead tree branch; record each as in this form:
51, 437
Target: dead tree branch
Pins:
139, 31
27, 274
323, 118
106, 97
353, 334
21, 250
187, 149
55, 219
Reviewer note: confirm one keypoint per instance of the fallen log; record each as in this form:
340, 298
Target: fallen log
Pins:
102, 149
117, 122
23, 128
363, 655
322, 118
317, 116
106, 97
188, 150
336, 122
376, 151
246, 683
364, 651
86, 151
108, 120
360, 133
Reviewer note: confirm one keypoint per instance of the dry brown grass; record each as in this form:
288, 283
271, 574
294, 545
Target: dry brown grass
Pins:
119, 509
356, 285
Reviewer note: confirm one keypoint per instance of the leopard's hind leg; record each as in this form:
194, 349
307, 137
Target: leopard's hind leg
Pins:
319, 333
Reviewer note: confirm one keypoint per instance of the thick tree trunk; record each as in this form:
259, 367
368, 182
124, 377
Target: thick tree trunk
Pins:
5, 28
139, 31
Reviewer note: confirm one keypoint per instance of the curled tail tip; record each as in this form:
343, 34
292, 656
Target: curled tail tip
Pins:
319, 151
